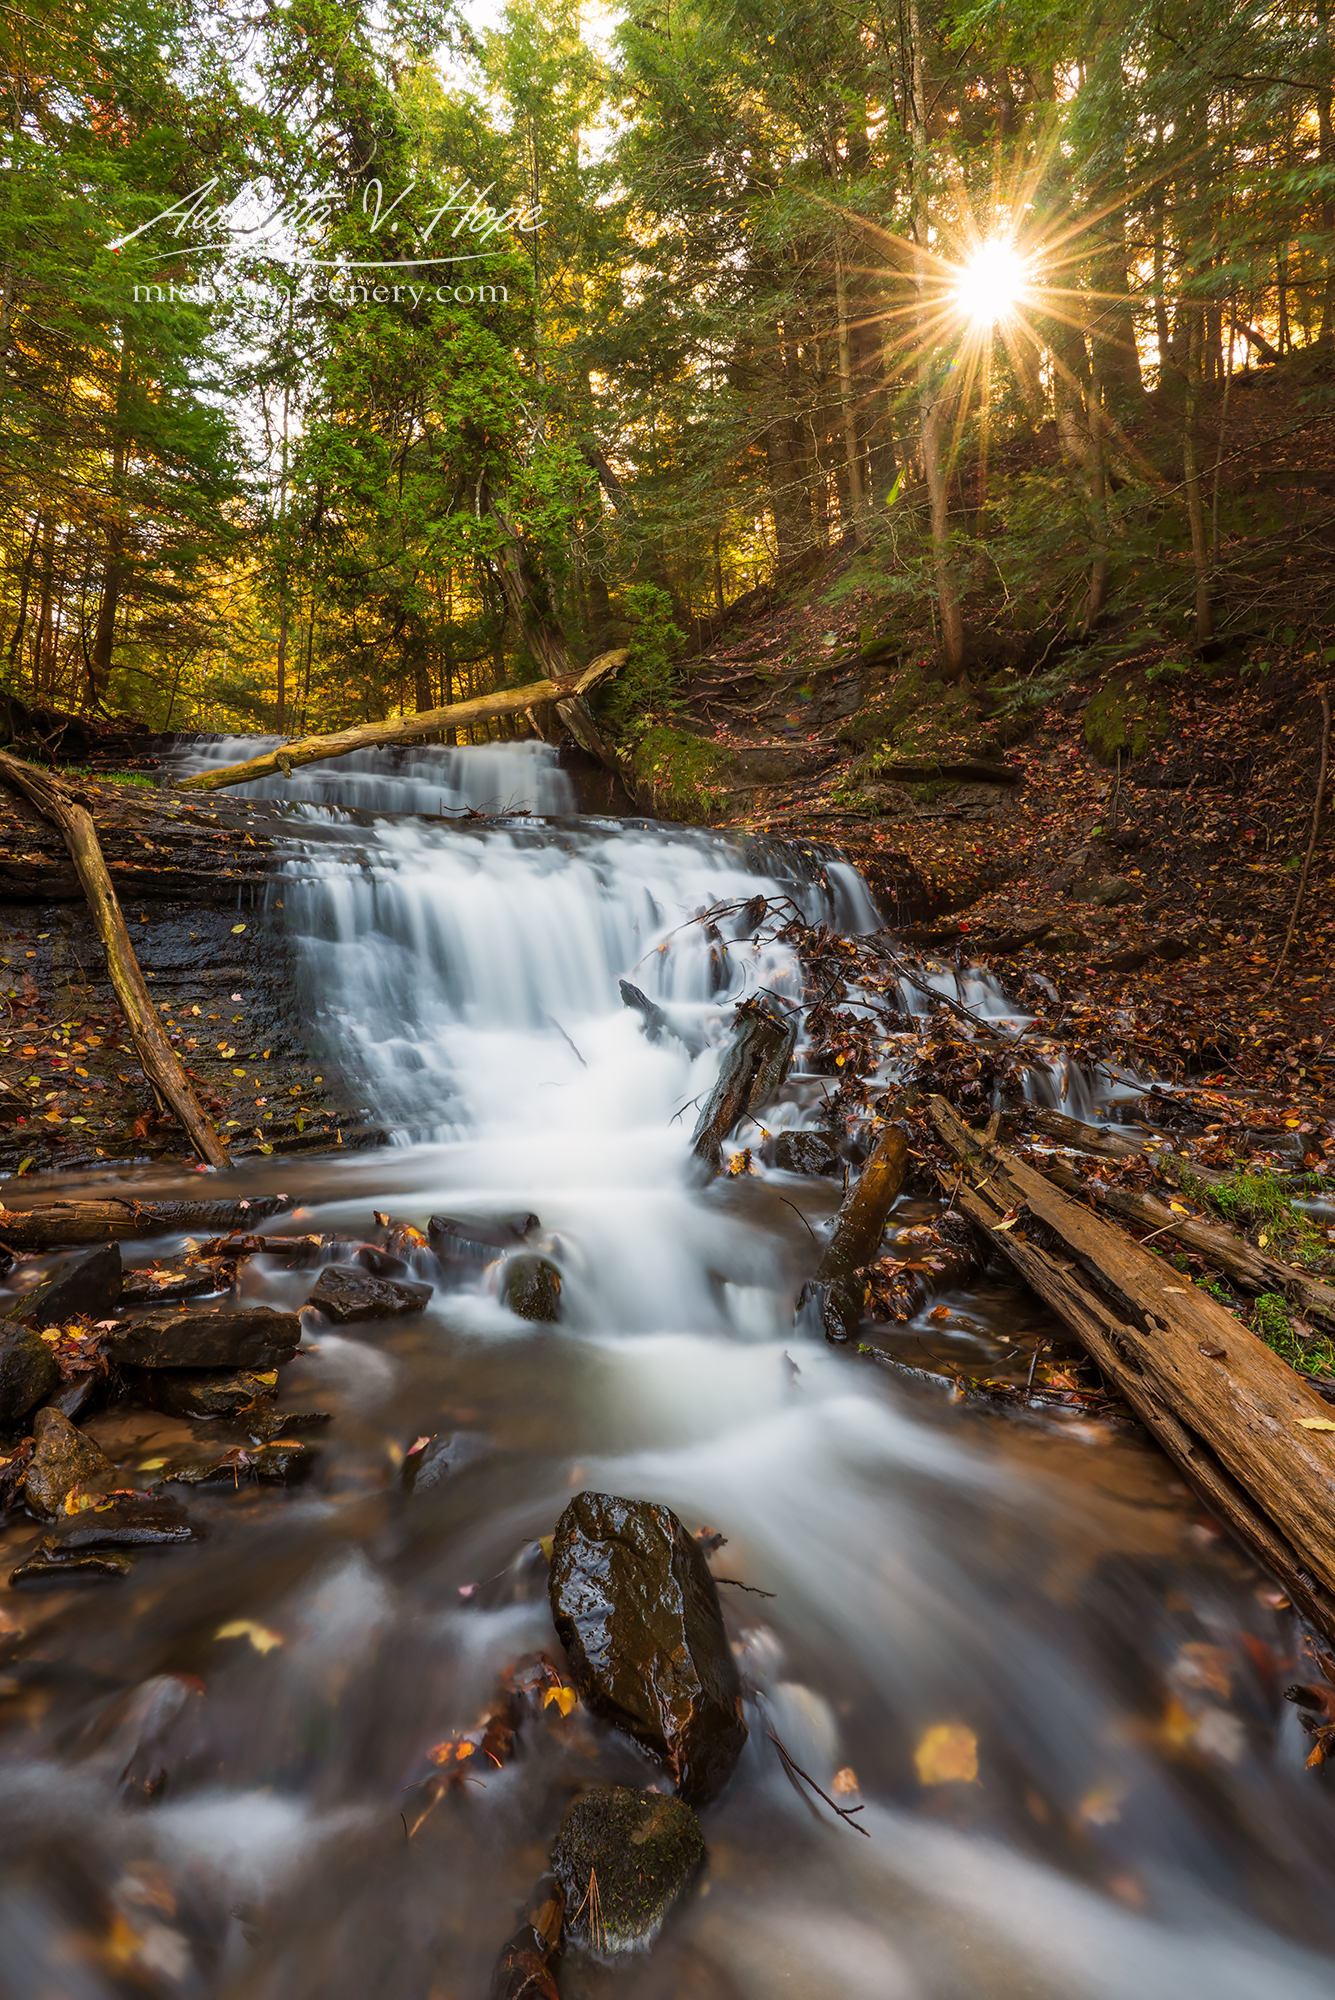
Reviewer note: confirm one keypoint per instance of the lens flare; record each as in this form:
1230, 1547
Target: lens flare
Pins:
992, 283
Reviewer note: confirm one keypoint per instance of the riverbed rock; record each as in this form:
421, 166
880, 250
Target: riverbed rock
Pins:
623, 1860
159, 1522
62, 1458
201, 1338
203, 1393
465, 1243
87, 1285
75, 1566
283, 1462
531, 1287
163, 1284
345, 1295
525, 1968
805, 1153
28, 1373
638, 1613
429, 1462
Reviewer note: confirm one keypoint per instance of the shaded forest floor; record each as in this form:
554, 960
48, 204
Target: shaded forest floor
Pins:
1118, 826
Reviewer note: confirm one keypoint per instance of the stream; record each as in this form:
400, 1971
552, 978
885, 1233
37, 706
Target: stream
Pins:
206, 1764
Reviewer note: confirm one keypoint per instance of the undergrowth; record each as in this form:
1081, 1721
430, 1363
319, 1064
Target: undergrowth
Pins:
1261, 1203
1272, 1321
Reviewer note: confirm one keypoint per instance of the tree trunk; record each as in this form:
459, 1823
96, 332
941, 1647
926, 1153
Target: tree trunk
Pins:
1248, 1432
931, 383
857, 499
407, 729
161, 1065
1191, 479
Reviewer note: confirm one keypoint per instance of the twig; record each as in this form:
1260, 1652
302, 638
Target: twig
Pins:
566, 1039
1324, 694
737, 1584
794, 1769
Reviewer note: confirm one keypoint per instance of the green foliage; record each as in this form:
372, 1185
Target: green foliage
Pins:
1272, 1321
1121, 718
644, 693
1260, 1203
688, 778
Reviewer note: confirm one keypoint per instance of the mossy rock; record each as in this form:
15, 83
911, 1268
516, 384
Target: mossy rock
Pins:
624, 1859
688, 779
1124, 719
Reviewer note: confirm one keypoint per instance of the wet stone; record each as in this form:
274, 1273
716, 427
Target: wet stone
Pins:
284, 1461
430, 1463
74, 1566
159, 1522
344, 1295
87, 1285
200, 1338
82, 1396
531, 1287
470, 1244
805, 1153
638, 1613
161, 1284
188, 1392
28, 1373
62, 1458
624, 1859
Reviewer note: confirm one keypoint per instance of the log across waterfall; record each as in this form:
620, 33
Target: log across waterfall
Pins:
1052, 1687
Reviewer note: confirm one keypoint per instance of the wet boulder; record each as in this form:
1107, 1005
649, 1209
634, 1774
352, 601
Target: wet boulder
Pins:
283, 1461
81, 1396
525, 1968
465, 1244
805, 1153
196, 1337
62, 1459
431, 1460
163, 1284
203, 1392
28, 1373
87, 1286
345, 1295
656, 1023
64, 1566
623, 1860
638, 1613
149, 1523
531, 1287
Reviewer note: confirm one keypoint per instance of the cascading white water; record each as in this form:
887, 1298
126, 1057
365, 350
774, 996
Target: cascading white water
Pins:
1139, 1822
493, 778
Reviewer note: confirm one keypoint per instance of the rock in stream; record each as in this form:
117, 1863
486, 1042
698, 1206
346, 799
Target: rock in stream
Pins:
624, 1859
638, 1613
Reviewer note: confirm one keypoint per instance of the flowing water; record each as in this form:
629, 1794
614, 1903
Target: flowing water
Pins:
205, 1765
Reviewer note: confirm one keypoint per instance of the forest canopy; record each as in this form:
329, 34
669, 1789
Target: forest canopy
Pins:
357, 359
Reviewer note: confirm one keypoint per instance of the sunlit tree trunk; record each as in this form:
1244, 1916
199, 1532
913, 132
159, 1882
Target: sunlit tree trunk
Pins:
931, 383
857, 499
1191, 479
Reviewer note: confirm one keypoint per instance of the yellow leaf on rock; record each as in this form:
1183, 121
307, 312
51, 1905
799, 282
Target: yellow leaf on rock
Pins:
565, 1699
236, 928
260, 1637
947, 1755
1315, 1424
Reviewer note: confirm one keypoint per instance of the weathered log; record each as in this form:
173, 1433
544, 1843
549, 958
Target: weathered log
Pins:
1252, 1436
754, 1067
1081, 1138
54, 1224
162, 1067
856, 1236
1251, 1269
406, 729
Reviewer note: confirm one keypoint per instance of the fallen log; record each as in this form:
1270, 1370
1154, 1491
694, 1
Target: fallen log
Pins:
856, 1236
1101, 1140
1251, 1269
62, 806
407, 728
754, 1068
1251, 1435
55, 1225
